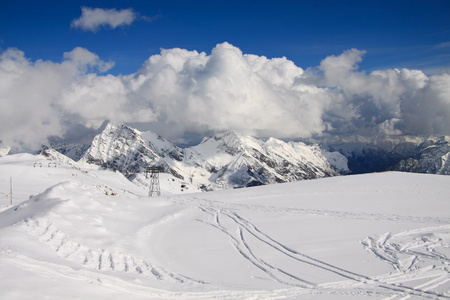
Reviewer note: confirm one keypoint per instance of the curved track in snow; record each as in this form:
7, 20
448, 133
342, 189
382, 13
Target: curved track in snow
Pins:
415, 254
272, 245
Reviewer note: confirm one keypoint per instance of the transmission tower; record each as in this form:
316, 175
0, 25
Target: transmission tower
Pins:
154, 188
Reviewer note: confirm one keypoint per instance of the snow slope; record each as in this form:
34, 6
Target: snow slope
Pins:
92, 234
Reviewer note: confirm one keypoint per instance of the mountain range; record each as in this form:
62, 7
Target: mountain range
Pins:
232, 160
420, 154
226, 160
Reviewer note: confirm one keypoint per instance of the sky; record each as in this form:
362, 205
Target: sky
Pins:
288, 69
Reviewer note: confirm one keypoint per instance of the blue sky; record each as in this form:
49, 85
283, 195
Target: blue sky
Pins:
189, 69
413, 34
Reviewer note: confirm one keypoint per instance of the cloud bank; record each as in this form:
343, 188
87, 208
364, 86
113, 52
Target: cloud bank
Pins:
92, 19
179, 93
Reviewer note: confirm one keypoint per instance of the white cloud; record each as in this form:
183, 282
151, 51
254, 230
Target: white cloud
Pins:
32, 93
84, 60
181, 92
92, 19
389, 101
428, 109
227, 89
388, 127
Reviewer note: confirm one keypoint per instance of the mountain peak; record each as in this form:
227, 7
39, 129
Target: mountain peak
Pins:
114, 126
227, 136
120, 147
233, 142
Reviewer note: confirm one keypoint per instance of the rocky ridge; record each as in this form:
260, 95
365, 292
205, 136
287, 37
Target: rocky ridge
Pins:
227, 160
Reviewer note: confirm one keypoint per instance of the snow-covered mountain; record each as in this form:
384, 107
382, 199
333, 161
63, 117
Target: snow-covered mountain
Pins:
381, 153
128, 150
226, 160
235, 160
72, 151
230, 160
431, 156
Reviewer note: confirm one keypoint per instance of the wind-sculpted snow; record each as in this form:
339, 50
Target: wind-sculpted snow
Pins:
97, 235
33, 207
54, 228
98, 259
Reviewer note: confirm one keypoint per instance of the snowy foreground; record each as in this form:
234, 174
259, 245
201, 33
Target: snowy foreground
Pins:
79, 233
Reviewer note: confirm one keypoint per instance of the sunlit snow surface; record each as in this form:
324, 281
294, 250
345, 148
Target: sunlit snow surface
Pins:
76, 232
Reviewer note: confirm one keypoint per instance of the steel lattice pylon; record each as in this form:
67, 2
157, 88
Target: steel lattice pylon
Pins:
154, 188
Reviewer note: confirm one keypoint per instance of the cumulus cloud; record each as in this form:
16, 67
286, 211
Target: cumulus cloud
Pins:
32, 93
85, 60
393, 101
228, 89
181, 93
92, 19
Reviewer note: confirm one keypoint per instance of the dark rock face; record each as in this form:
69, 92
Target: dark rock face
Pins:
412, 154
72, 151
431, 158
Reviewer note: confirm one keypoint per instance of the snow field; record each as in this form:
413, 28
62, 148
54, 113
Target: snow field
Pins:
97, 236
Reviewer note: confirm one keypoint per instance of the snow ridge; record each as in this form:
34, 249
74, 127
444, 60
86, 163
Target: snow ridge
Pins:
99, 259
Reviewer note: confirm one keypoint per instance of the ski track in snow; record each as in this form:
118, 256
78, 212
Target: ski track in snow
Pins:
417, 255
131, 289
98, 259
317, 212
